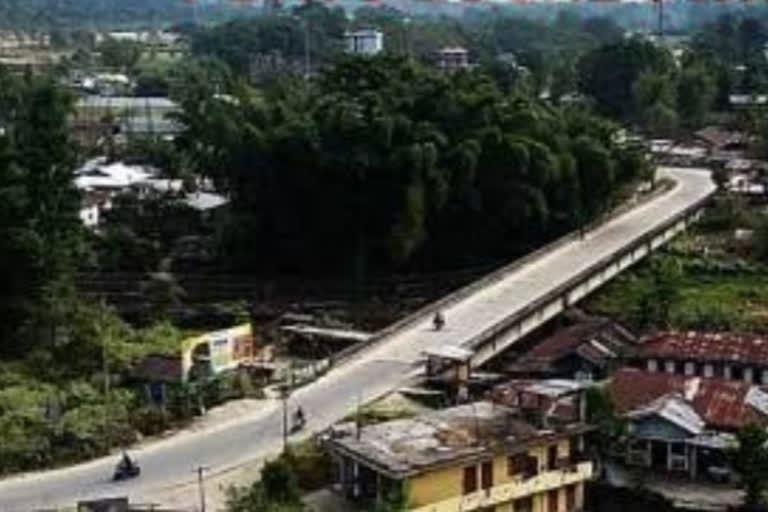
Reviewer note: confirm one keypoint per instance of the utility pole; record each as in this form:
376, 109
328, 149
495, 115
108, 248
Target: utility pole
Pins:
105, 370
201, 485
284, 398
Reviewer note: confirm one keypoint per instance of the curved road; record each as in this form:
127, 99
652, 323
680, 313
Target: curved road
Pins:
374, 371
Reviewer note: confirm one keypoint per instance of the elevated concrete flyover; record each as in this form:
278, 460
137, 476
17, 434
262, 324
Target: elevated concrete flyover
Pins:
597, 267
487, 316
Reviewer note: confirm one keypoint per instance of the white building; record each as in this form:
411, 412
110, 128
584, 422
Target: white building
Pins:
453, 59
364, 42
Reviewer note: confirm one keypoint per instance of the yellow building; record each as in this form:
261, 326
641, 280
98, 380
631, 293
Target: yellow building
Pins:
479, 456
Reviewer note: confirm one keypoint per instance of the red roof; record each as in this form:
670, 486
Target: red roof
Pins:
698, 346
721, 403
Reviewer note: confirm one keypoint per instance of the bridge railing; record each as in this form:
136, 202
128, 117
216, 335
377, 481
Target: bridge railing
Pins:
573, 283
430, 309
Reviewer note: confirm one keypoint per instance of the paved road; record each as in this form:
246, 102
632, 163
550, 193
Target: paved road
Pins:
373, 372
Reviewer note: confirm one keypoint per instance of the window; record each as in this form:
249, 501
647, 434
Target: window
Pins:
470, 479
570, 498
486, 474
523, 504
573, 449
552, 457
553, 502
517, 464
522, 464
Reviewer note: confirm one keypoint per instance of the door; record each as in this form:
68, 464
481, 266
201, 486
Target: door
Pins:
659, 455
470, 479
523, 504
486, 475
570, 498
552, 457
553, 500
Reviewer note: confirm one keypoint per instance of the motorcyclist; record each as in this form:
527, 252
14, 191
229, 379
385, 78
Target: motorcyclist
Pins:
299, 417
126, 463
438, 321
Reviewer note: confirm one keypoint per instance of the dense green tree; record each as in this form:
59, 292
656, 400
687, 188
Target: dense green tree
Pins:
239, 42
750, 460
609, 73
696, 90
654, 97
40, 233
383, 163
118, 54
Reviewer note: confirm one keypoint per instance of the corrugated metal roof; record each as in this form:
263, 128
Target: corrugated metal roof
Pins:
598, 340
699, 346
674, 409
125, 102
554, 388
205, 201
720, 403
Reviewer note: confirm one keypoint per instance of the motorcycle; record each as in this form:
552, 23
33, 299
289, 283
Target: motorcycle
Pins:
125, 470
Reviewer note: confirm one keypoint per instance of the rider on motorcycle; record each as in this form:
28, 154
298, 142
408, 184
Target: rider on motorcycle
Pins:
126, 463
438, 321
299, 417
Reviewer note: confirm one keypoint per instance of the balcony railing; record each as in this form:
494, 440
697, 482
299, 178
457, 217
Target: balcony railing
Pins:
518, 488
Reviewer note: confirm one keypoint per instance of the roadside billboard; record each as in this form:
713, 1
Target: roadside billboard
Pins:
220, 350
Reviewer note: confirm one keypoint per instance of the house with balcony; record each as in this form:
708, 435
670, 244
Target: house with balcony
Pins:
725, 355
684, 425
477, 456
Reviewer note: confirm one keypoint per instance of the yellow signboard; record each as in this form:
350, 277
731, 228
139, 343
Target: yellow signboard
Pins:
220, 350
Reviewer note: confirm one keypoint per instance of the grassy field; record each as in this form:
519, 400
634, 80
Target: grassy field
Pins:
691, 285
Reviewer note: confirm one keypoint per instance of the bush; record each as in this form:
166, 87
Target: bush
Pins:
311, 464
150, 420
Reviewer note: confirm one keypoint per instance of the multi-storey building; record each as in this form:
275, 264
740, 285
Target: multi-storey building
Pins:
478, 456
696, 354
